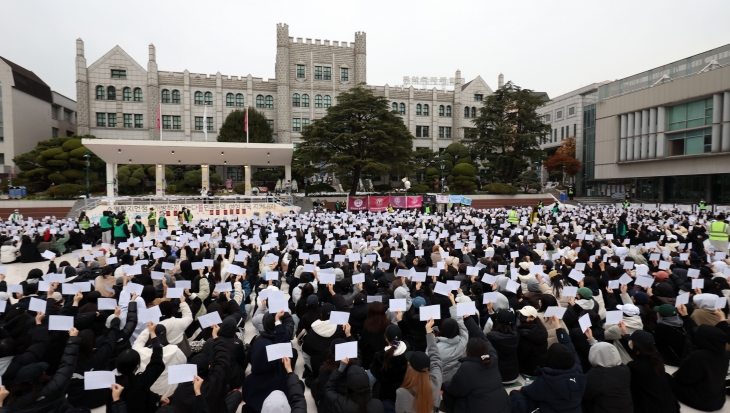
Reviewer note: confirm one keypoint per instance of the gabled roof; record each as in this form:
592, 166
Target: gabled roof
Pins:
477, 80
28, 82
466, 84
111, 53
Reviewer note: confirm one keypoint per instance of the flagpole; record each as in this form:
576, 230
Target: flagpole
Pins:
246, 124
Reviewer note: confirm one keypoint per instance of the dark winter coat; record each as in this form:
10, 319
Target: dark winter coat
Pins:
700, 380
649, 391
532, 347
345, 404
506, 346
478, 388
368, 345
136, 393
608, 390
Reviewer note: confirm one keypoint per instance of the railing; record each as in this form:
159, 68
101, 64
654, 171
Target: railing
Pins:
185, 200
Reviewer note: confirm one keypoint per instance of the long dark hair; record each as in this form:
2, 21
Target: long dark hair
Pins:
376, 321
476, 347
650, 353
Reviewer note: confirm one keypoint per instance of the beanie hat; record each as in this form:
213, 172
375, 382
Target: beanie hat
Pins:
559, 357
312, 300
357, 379
418, 302
449, 328
641, 336
585, 293
661, 275
641, 298
505, 317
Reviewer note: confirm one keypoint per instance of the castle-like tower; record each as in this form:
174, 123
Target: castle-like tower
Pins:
283, 128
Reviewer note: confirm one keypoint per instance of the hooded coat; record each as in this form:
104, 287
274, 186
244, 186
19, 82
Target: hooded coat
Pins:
700, 380
608, 388
266, 377
532, 346
236, 351
317, 342
452, 349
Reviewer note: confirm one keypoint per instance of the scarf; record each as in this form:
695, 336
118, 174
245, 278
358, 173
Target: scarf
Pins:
585, 304
673, 321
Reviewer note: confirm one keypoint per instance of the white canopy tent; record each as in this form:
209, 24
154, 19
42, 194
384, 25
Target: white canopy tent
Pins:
161, 153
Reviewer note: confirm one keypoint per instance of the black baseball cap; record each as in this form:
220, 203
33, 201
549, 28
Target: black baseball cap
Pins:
418, 360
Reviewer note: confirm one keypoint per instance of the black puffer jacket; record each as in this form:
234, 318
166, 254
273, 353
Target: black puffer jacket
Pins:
532, 347
236, 352
52, 399
608, 390
478, 388
700, 380
506, 346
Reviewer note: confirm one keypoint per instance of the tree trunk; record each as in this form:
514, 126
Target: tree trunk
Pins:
355, 180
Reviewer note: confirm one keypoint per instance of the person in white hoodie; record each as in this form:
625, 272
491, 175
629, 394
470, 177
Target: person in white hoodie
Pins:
171, 356
175, 326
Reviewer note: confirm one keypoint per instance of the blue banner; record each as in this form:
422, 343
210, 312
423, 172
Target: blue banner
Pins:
455, 199
465, 201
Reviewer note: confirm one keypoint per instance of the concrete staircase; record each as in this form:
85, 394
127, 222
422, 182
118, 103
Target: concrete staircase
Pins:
304, 202
594, 200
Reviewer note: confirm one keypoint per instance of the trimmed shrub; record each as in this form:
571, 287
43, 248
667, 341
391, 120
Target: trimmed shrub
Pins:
171, 189
419, 189
240, 188
382, 188
67, 191
322, 187
501, 189
463, 177
56, 178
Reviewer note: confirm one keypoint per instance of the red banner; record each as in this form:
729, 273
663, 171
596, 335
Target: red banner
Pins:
398, 201
357, 203
415, 201
378, 203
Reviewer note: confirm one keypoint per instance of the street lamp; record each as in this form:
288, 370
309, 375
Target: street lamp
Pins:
442, 173
87, 156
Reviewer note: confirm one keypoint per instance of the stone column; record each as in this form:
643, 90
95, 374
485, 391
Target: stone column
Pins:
637, 135
434, 121
644, 133
82, 91
247, 178
652, 133
630, 137
287, 172
153, 96
283, 98
111, 177
205, 172
717, 99
360, 58
661, 140
411, 112
622, 138
726, 122
160, 180
187, 118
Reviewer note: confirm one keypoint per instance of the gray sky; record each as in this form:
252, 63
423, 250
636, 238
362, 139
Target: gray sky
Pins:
544, 45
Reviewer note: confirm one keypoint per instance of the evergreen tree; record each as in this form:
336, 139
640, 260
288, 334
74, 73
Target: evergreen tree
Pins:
507, 131
259, 130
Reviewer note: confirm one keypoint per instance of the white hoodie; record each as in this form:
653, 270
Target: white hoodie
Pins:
171, 356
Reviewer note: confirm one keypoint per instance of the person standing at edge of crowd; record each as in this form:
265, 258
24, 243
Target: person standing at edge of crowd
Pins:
152, 219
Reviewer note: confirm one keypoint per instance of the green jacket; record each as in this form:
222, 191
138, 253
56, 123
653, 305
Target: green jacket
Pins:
60, 243
162, 224
121, 231
106, 222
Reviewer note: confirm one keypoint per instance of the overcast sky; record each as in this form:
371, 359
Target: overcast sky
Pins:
544, 45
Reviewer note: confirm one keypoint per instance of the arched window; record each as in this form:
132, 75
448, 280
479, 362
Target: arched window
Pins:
260, 101
473, 112
318, 101
137, 94
229, 99
208, 99
327, 101
165, 96
111, 93
425, 110
402, 108
419, 109
466, 111
448, 110
394, 107
295, 100
305, 100
239, 99
100, 95
441, 110
175, 96
127, 94
269, 102
198, 97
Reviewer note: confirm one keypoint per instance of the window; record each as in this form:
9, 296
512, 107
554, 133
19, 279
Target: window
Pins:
466, 111
327, 74
562, 133
100, 120
442, 110
175, 96
425, 110
269, 102
478, 97
442, 132
300, 72
260, 101
112, 119
317, 72
295, 100
424, 129
166, 121
2, 158
100, 95
419, 109
165, 96
344, 74
111, 93
402, 108
138, 121
198, 123
418, 131
327, 101
67, 115
394, 107
127, 94
296, 125
448, 111
127, 120
571, 111
54, 133
239, 99
229, 99
198, 97
54, 112
448, 132
318, 101
546, 118
690, 143
209, 122
690, 115
234, 173
208, 99
305, 123
137, 94
177, 122
555, 135
473, 112
271, 123
559, 114
305, 100
119, 74
575, 130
